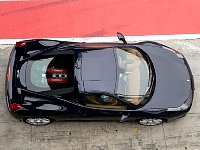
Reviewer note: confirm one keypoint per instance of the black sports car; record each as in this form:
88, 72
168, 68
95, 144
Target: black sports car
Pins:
51, 80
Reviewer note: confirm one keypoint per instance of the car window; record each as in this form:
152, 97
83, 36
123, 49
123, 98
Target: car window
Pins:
103, 101
51, 74
133, 75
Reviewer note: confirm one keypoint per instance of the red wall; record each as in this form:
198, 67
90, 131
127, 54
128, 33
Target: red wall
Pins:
83, 18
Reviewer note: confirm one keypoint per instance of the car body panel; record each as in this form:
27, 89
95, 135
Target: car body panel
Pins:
173, 79
173, 87
98, 70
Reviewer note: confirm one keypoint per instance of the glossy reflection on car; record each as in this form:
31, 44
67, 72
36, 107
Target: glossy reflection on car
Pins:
50, 80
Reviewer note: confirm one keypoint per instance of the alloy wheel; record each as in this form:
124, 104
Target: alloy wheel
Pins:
150, 121
37, 121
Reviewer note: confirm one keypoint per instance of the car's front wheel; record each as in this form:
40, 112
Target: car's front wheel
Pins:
38, 121
150, 121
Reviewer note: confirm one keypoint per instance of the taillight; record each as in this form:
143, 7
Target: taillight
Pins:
8, 74
20, 44
15, 107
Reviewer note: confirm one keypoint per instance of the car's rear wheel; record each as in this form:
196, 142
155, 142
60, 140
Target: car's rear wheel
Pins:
150, 121
38, 121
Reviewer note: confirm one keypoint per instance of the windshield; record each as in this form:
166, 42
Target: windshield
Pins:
133, 75
51, 74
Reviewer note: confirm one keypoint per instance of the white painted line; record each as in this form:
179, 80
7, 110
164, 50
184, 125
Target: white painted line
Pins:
114, 38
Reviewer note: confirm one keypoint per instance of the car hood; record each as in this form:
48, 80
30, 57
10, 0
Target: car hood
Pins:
173, 83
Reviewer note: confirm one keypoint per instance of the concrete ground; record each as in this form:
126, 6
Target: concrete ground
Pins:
180, 134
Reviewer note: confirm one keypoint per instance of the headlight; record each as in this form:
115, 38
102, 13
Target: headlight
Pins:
182, 107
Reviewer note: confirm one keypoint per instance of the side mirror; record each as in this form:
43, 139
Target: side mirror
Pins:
124, 118
121, 37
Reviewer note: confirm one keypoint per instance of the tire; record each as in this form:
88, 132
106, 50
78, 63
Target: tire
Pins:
37, 121
150, 121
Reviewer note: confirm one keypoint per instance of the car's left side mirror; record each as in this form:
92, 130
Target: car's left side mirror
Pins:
121, 37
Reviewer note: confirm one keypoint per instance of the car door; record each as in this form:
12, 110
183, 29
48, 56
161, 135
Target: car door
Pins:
96, 106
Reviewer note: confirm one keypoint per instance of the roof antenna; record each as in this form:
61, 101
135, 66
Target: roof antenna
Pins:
121, 37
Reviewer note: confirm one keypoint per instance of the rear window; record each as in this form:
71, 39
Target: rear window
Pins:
50, 74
